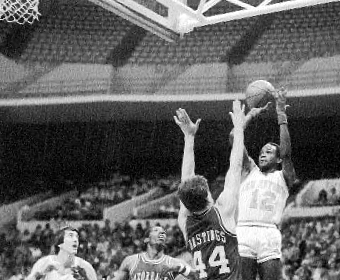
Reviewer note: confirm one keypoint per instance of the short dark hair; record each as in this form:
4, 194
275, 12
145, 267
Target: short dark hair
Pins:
194, 193
278, 152
59, 238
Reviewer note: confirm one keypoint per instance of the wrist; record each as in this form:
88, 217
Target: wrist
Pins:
238, 129
282, 118
281, 109
189, 137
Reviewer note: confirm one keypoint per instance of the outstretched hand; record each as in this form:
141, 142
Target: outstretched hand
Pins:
281, 99
238, 117
184, 122
254, 112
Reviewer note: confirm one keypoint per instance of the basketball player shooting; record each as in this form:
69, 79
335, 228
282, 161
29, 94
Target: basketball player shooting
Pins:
65, 265
263, 196
153, 264
208, 227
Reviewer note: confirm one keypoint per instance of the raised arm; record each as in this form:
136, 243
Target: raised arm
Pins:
228, 199
189, 130
248, 162
285, 143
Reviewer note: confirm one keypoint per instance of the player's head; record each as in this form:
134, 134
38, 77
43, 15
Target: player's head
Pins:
155, 235
195, 194
67, 239
269, 157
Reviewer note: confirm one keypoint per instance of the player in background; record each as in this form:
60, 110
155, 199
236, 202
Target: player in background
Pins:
65, 265
263, 195
153, 264
208, 227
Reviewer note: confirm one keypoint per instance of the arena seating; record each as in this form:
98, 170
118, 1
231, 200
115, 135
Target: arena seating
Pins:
86, 33
208, 44
89, 205
76, 33
5, 30
300, 34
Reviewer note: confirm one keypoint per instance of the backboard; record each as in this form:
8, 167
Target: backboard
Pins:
170, 19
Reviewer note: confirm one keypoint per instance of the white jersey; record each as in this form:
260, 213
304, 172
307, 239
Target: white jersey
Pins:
55, 274
262, 198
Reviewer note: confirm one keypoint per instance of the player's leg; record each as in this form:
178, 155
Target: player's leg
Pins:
247, 244
248, 268
270, 270
269, 258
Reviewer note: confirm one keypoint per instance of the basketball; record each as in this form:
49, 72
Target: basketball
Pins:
259, 93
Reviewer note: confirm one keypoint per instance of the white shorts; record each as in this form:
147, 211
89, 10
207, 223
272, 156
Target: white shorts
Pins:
259, 243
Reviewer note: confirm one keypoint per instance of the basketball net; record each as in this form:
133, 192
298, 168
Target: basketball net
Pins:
19, 11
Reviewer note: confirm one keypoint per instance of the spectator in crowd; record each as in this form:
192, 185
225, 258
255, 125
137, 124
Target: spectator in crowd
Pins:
333, 198
322, 199
321, 272
89, 205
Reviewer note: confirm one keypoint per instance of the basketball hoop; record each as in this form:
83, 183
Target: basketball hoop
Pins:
19, 11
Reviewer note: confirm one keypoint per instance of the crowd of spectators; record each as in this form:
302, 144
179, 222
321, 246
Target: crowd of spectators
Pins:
89, 205
311, 249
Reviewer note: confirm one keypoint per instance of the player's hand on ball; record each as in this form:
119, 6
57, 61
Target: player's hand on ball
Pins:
184, 122
238, 117
281, 99
254, 112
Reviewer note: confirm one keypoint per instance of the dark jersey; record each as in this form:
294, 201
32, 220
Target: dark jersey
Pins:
142, 268
214, 248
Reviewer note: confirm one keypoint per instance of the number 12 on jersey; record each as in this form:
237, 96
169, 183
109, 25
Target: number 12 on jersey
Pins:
216, 259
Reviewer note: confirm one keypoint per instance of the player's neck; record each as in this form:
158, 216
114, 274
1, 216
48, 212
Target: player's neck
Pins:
154, 253
270, 170
210, 204
65, 258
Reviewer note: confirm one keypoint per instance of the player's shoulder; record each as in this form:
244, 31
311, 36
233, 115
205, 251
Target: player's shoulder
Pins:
130, 260
227, 222
250, 171
133, 257
280, 174
172, 261
45, 260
